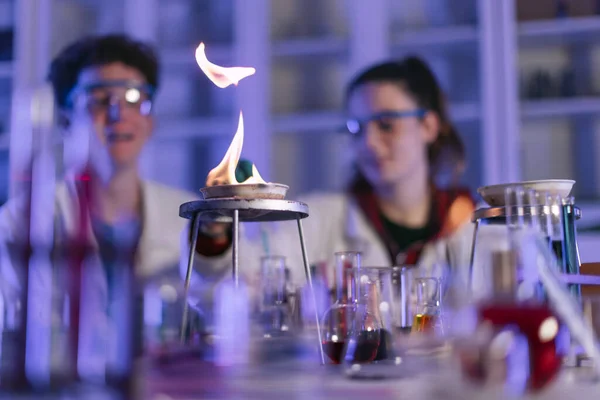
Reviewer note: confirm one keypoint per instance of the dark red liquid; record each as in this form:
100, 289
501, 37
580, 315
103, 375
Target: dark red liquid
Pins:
545, 362
363, 351
334, 350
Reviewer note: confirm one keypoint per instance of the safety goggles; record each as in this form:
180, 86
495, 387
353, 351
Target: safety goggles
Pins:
104, 96
383, 119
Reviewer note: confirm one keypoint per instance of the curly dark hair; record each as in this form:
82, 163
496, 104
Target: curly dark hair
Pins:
418, 80
100, 50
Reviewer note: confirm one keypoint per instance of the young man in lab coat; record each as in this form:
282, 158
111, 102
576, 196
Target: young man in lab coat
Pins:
104, 88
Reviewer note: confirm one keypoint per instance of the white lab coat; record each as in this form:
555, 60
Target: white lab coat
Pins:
335, 223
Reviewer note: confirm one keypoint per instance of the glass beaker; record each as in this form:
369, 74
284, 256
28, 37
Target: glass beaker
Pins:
338, 320
428, 317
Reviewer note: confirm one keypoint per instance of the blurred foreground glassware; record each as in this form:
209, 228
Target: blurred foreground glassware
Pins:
338, 320
162, 309
517, 328
232, 324
322, 296
274, 303
12, 335
36, 328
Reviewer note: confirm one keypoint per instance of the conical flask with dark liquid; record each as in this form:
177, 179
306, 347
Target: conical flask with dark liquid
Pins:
350, 330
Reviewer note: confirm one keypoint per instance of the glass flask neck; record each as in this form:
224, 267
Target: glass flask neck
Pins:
347, 263
428, 295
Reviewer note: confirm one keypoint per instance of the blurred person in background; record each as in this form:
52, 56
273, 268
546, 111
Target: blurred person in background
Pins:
104, 87
403, 206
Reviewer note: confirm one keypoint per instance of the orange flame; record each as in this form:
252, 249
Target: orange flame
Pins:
224, 173
221, 76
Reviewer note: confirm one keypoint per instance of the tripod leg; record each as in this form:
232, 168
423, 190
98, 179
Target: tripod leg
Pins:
312, 290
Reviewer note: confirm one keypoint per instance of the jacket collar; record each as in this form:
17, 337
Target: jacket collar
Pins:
450, 209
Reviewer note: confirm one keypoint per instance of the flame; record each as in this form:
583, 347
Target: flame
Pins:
224, 173
255, 178
221, 76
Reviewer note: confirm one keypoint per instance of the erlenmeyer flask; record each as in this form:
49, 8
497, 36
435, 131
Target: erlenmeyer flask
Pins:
366, 329
428, 316
338, 320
